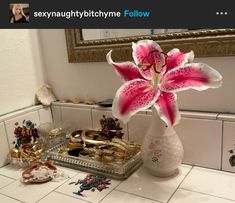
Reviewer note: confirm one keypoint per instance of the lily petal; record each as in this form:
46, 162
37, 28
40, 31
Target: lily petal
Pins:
133, 96
177, 58
167, 108
126, 70
197, 76
147, 53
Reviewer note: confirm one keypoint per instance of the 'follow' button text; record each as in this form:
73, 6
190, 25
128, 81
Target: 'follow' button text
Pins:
136, 13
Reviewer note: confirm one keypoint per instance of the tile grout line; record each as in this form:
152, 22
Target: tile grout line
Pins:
8, 177
222, 142
8, 184
8, 142
71, 196
77, 198
193, 166
158, 201
179, 185
55, 188
14, 180
39, 118
20, 112
145, 112
200, 118
213, 169
61, 118
52, 116
110, 192
92, 120
11, 197
209, 168
217, 116
207, 194
50, 109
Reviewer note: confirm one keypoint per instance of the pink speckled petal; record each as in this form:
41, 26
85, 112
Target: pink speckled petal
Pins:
197, 76
167, 108
177, 58
133, 96
126, 70
147, 52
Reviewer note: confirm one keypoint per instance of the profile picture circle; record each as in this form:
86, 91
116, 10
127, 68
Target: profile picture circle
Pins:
19, 13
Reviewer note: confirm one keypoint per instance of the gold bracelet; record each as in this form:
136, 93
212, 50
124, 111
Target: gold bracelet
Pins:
76, 136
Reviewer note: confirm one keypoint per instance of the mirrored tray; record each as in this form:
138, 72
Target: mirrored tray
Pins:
112, 170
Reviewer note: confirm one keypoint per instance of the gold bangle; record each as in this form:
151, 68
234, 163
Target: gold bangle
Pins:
76, 136
72, 145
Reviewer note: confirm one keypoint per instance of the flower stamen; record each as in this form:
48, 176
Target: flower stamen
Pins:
146, 66
165, 58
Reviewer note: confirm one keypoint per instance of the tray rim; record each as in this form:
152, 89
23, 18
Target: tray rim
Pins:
92, 166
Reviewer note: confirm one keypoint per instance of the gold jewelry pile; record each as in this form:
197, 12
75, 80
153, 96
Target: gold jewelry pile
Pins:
27, 152
93, 145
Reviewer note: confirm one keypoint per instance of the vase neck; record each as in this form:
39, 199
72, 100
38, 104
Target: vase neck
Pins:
158, 124
156, 118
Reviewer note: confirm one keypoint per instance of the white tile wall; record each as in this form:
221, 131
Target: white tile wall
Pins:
97, 115
10, 124
4, 148
226, 117
56, 114
201, 133
45, 115
138, 126
201, 139
70, 104
228, 144
200, 115
20, 112
36, 114
77, 118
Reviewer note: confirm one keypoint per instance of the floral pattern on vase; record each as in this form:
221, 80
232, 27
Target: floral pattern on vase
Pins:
162, 150
156, 153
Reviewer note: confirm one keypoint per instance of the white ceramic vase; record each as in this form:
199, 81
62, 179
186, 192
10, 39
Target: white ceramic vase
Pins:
162, 151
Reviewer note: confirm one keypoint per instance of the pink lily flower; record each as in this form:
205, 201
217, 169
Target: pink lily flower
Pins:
155, 77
